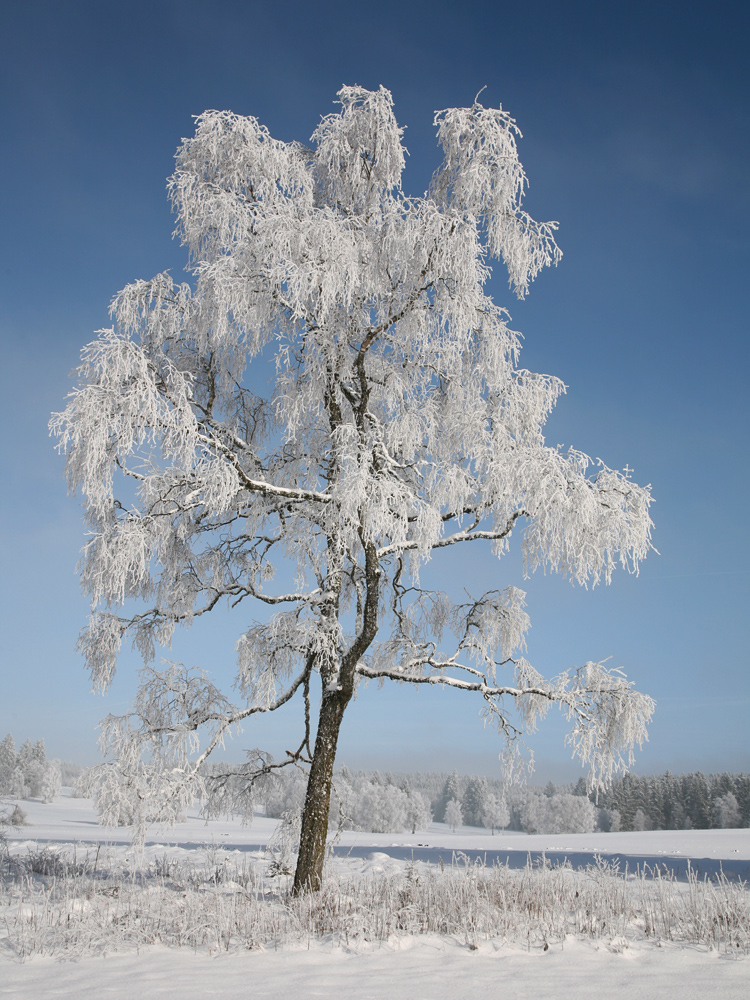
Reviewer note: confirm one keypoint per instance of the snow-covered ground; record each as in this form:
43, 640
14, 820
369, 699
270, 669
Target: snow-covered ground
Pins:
436, 969
70, 820
428, 966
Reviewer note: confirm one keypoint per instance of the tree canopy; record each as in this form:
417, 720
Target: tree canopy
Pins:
398, 423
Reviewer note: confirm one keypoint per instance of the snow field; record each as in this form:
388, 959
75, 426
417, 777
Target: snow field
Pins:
74, 820
428, 968
194, 919
62, 904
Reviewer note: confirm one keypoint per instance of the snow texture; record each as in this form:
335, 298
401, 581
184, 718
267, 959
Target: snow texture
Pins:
399, 422
402, 967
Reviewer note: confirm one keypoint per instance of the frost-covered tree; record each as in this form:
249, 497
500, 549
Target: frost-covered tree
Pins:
288, 795
28, 774
495, 814
569, 814
398, 423
726, 811
451, 790
7, 764
29, 754
418, 812
532, 811
344, 806
381, 808
32, 760
474, 799
641, 820
51, 783
557, 813
609, 820
454, 816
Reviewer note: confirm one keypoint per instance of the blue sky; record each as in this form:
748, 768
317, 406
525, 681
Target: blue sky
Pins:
635, 120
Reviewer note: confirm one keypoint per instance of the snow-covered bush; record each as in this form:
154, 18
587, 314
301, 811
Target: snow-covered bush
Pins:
51, 782
286, 795
12, 816
727, 811
453, 814
381, 809
496, 814
28, 774
559, 813
418, 812
641, 820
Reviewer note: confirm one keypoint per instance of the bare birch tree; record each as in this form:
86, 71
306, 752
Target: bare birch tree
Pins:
399, 423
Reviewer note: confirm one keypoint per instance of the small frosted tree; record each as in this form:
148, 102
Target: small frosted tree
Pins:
454, 816
641, 820
418, 812
451, 790
726, 811
532, 811
398, 423
569, 814
7, 764
609, 820
32, 760
381, 808
496, 814
474, 799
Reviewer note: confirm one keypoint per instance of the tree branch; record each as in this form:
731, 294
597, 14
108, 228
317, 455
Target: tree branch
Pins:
487, 690
259, 486
469, 535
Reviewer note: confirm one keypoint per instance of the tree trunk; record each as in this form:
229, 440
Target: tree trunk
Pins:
312, 845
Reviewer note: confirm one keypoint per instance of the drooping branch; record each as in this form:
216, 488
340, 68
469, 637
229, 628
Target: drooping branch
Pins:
259, 486
445, 680
399, 423
609, 718
465, 535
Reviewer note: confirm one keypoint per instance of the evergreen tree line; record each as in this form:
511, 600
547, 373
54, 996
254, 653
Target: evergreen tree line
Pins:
677, 802
409, 802
361, 800
28, 774
397, 801
654, 802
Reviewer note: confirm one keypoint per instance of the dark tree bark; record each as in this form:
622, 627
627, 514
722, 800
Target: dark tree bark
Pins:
312, 846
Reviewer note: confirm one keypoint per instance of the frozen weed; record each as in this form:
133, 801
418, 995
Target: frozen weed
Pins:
66, 908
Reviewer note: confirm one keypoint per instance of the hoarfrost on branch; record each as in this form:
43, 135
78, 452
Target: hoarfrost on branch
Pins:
399, 422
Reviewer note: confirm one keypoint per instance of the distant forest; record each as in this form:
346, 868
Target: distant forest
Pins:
389, 802
399, 801
679, 801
